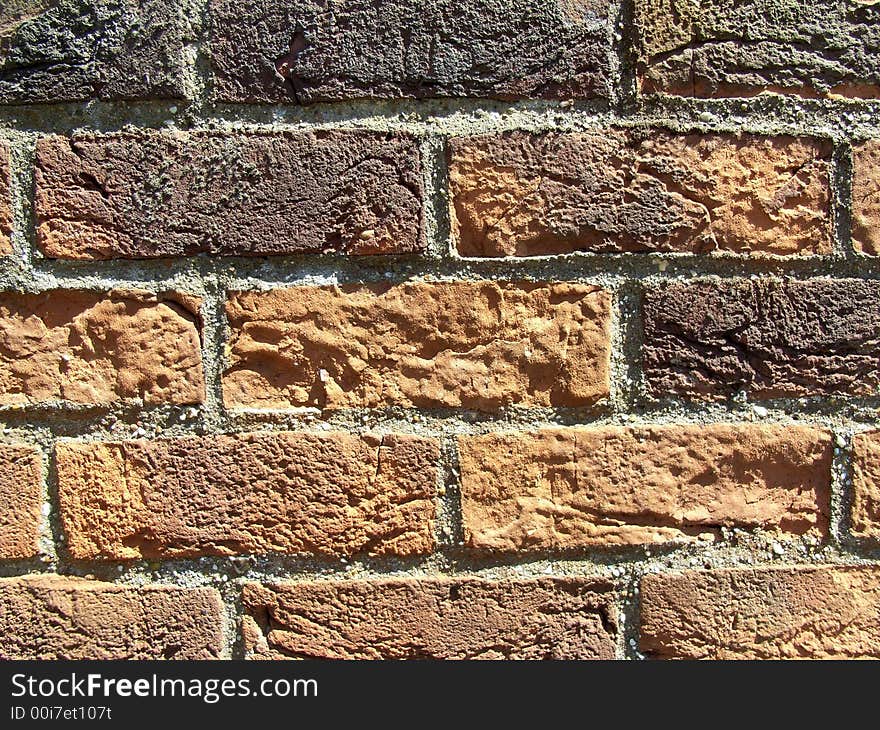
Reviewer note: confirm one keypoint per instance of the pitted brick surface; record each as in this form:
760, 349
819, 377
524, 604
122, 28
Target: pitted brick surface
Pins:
307, 51
578, 487
294, 493
150, 194
564, 618
521, 194
736, 48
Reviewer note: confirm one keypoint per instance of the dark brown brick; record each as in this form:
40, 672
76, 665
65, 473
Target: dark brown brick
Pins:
771, 338
431, 618
331, 495
308, 51
5, 201
149, 194
56, 617
75, 50
744, 47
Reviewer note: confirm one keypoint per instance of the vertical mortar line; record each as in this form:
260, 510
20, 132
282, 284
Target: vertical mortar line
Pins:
630, 614
626, 346
214, 335
435, 206
841, 489
197, 74
449, 518
230, 592
624, 33
22, 149
840, 179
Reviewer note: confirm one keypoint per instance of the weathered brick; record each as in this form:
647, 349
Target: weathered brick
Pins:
21, 478
736, 48
296, 493
75, 50
866, 198
819, 612
477, 345
431, 618
520, 194
770, 338
155, 194
5, 201
308, 51
866, 485
98, 348
56, 617
577, 487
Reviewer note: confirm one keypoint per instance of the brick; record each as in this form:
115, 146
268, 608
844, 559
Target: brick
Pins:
81, 50
308, 51
521, 194
769, 338
866, 485
296, 493
734, 48
431, 618
809, 612
866, 198
580, 487
5, 201
21, 480
158, 194
476, 345
57, 617
99, 348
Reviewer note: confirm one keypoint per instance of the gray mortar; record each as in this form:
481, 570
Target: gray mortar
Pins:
844, 122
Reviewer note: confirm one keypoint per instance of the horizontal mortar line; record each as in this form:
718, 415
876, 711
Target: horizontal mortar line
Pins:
461, 116
64, 421
587, 562
306, 269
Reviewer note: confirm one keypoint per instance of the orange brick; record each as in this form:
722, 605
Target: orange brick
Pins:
296, 493
474, 345
576, 487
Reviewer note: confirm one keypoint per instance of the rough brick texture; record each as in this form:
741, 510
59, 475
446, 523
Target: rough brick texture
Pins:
735, 48
5, 200
54, 617
308, 51
75, 50
820, 612
770, 338
149, 194
295, 493
569, 618
524, 195
476, 345
866, 198
866, 485
577, 487
21, 479
95, 348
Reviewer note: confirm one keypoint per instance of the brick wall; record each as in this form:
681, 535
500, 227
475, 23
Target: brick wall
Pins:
434, 328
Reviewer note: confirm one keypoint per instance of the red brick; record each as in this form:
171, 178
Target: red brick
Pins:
521, 194
296, 493
21, 490
56, 617
476, 345
818, 612
100, 348
577, 487
431, 618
